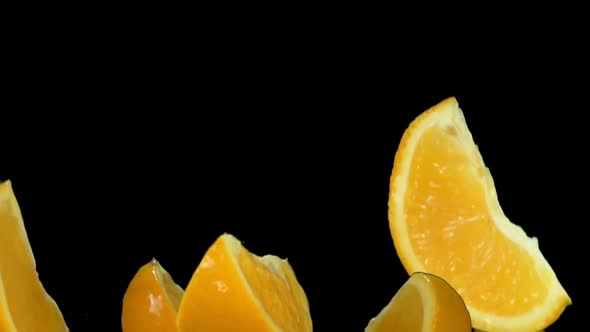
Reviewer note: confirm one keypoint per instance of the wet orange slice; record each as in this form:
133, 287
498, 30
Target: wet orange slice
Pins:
235, 290
424, 303
445, 219
151, 301
25, 306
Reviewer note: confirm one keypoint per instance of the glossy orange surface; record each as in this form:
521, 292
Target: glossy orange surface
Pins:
151, 301
25, 306
235, 290
424, 303
445, 219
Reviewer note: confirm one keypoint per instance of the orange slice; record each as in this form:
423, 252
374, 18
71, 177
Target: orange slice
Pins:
445, 219
424, 303
235, 290
6, 322
151, 301
25, 306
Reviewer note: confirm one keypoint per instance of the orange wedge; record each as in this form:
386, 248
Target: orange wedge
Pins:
151, 301
424, 303
445, 219
25, 306
6, 322
235, 290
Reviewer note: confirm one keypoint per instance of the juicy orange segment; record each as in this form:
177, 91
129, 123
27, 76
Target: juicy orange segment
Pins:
151, 301
445, 219
24, 303
424, 303
6, 322
235, 290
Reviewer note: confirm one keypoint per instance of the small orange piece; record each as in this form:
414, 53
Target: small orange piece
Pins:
424, 303
6, 322
151, 301
25, 306
445, 219
235, 290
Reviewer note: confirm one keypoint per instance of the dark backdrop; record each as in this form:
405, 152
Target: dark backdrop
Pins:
127, 149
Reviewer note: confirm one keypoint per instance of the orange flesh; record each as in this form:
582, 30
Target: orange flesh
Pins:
272, 290
6, 323
450, 311
424, 303
30, 308
212, 301
151, 301
406, 312
449, 200
232, 290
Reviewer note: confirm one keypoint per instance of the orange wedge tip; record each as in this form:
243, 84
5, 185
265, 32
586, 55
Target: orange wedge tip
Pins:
151, 301
235, 290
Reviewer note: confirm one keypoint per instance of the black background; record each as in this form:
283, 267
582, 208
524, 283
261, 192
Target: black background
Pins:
131, 145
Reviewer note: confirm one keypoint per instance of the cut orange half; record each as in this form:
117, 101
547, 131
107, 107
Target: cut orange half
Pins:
445, 219
151, 301
25, 306
235, 290
424, 303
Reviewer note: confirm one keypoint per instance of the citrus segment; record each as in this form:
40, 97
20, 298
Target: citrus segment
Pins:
6, 323
424, 303
235, 290
445, 219
151, 301
25, 306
